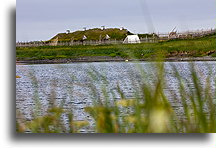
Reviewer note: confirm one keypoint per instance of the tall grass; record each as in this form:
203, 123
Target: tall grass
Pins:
149, 111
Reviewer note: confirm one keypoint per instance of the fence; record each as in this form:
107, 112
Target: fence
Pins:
159, 37
72, 43
186, 35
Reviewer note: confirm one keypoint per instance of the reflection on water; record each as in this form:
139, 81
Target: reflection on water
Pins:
75, 86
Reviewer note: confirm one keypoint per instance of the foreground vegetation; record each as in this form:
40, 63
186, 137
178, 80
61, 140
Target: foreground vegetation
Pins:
174, 48
149, 111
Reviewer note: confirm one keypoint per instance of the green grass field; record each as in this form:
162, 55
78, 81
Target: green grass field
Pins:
174, 48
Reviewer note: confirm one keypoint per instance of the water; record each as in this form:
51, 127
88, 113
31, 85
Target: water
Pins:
77, 85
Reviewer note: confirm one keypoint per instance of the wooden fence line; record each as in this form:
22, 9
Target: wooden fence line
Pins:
72, 43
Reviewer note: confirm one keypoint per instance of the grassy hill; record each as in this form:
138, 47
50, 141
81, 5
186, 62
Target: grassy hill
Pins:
93, 34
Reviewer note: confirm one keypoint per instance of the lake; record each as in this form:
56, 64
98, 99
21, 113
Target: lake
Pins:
77, 85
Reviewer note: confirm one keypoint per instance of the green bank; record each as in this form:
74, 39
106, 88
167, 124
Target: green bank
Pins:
199, 47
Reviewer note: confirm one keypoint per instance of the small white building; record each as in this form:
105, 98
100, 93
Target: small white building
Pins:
131, 39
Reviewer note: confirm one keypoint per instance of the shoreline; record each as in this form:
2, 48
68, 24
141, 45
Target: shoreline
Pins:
111, 59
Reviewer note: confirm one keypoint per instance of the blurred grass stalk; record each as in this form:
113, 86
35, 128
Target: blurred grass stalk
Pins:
150, 113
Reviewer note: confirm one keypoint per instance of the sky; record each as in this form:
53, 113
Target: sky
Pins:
42, 19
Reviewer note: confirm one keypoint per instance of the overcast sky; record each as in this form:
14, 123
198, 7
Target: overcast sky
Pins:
42, 19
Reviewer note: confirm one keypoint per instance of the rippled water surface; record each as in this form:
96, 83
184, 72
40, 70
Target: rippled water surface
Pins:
77, 85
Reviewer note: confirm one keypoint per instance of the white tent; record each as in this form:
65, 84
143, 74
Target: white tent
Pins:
132, 39
107, 37
84, 37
